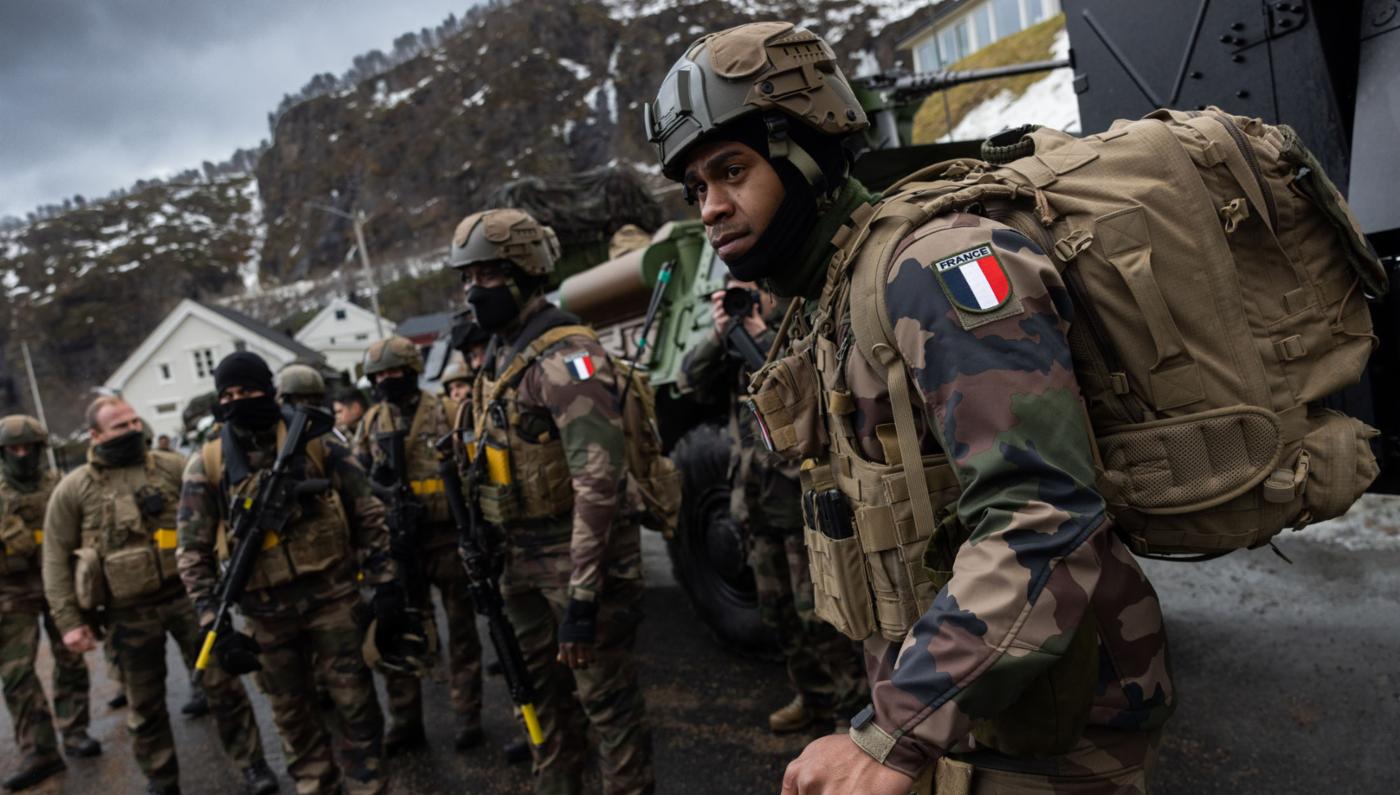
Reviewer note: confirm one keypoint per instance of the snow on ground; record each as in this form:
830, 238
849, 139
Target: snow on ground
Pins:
385, 99
248, 270
1049, 102
1372, 523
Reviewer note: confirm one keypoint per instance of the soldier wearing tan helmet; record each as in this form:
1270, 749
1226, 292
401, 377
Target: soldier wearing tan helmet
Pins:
952, 521
301, 383
456, 380
25, 486
572, 581
426, 550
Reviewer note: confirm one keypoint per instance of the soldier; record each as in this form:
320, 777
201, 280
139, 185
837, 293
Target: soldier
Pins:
457, 380
1013, 644
546, 414
349, 406
823, 666
299, 384
25, 486
394, 365
301, 600
114, 518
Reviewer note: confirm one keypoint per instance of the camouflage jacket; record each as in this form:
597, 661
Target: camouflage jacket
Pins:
765, 494
203, 505
21, 588
80, 514
561, 401
998, 393
432, 419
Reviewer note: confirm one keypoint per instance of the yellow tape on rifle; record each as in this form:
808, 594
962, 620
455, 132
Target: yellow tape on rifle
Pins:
532, 725
205, 652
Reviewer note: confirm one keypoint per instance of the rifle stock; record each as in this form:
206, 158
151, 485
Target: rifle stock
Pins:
486, 595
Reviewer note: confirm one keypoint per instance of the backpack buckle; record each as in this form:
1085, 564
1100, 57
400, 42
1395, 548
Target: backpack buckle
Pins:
1072, 244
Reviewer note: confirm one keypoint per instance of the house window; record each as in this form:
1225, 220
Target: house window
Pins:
926, 56
340, 314
1008, 17
332, 340
204, 363
240, 345
982, 20
163, 370
1035, 11
163, 409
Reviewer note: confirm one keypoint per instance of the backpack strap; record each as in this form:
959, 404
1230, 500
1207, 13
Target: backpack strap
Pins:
515, 370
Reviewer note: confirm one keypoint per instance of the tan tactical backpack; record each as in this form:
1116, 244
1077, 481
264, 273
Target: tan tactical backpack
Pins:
1219, 281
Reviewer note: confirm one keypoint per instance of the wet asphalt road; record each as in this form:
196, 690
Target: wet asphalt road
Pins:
1288, 682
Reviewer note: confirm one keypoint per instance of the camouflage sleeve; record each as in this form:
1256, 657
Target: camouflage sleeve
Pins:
197, 526
63, 521
989, 357
368, 531
706, 367
577, 384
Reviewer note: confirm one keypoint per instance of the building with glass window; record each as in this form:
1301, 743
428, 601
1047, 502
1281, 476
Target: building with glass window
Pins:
958, 28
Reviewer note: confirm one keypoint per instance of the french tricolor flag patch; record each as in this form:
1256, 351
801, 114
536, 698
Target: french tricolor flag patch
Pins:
975, 280
580, 366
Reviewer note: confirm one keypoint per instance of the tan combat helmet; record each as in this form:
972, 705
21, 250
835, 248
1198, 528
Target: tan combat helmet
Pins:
505, 235
388, 354
456, 370
21, 429
300, 380
774, 68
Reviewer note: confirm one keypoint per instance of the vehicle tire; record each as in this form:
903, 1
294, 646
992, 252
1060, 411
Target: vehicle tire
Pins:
708, 553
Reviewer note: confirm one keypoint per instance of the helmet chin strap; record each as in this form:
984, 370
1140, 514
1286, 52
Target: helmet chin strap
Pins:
781, 145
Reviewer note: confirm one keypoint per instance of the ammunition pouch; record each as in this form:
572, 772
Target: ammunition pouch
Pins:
546, 493
315, 538
19, 546
134, 572
787, 407
89, 584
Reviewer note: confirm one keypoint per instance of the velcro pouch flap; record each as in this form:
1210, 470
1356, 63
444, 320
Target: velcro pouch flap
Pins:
132, 572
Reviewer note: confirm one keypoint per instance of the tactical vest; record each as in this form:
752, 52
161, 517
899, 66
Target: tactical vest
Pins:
316, 538
431, 421
527, 473
22, 525
132, 532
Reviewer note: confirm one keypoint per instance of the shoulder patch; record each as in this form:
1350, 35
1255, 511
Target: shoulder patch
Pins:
974, 280
580, 365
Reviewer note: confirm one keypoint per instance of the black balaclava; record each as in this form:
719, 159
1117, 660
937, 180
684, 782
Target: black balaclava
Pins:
125, 450
399, 389
247, 370
21, 469
795, 218
495, 307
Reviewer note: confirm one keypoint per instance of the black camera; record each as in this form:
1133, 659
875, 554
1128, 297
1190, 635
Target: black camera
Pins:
739, 301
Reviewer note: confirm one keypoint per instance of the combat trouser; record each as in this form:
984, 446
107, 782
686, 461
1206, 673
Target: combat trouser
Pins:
609, 693
136, 636
317, 640
443, 568
823, 665
24, 694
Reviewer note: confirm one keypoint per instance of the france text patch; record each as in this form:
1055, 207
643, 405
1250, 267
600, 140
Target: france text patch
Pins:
580, 366
975, 279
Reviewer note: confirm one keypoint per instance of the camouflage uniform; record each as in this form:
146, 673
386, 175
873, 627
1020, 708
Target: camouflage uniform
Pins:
306, 626
95, 507
22, 611
822, 664
587, 552
438, 561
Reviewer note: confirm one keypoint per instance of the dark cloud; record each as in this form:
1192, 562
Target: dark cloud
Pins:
95, 94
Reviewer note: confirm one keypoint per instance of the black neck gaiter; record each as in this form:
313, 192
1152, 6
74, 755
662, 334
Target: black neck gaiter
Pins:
126, 450
777, 248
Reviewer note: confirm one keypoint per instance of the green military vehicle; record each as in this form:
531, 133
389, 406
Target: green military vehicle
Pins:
1324, 73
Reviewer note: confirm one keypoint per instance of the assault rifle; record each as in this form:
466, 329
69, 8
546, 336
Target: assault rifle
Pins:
266, 512
486, 594
405, 513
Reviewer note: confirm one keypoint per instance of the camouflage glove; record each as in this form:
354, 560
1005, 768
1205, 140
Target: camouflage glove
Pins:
580, 622
237, 653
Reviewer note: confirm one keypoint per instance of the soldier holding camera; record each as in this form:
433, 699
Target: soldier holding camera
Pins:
823, 666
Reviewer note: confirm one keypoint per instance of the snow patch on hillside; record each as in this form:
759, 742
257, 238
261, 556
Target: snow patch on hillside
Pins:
1050, 102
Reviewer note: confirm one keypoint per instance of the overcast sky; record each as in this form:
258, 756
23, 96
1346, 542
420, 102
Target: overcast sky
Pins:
95, 94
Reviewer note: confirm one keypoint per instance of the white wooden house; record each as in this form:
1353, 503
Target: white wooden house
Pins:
175, 363
341, 332
958, 28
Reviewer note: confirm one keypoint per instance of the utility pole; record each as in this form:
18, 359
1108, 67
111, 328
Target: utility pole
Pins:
38, 401
358, 220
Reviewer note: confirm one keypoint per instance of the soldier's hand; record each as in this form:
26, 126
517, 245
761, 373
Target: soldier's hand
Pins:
834, 765
575, 655
80, 640
717, 312
754, 324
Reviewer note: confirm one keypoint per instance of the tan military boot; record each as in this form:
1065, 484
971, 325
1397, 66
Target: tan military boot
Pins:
796, 716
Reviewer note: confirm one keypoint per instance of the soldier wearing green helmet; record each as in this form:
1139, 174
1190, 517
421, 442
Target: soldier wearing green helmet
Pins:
421, 419
25, 487
951, 518
545, 412
301, 383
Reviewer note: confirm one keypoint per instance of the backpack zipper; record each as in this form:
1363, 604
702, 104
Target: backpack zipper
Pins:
1102, 348
1248, 151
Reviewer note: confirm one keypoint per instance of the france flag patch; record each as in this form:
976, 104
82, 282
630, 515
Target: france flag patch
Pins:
975, 279
580, 366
